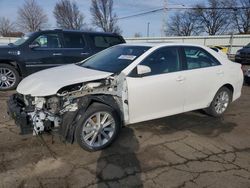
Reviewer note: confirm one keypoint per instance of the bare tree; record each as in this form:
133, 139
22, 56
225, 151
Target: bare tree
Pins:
103, 15
68, 16
214, 20
241, 17
183, 24
6, 27
31, 16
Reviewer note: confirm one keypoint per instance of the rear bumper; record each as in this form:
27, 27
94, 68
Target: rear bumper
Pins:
16, 110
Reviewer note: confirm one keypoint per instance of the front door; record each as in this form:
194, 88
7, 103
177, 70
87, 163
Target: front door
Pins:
44, 52
160, 93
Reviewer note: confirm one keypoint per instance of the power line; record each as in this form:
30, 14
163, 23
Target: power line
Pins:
181, 8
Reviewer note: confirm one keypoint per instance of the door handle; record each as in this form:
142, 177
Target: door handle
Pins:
180, 79
57, 54
84, 53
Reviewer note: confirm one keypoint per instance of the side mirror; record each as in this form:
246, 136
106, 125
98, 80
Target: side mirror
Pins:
143, 70
32, 46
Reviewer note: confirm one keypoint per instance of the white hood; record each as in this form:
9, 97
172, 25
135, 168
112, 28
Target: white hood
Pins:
48, 82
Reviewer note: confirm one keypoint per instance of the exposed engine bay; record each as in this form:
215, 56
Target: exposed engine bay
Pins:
49, 113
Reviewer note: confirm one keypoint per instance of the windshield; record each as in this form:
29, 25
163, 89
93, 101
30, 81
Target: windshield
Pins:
114, 59
23, 39
248, 45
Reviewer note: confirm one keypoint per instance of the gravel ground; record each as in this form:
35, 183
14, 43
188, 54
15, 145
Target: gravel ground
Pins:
186, 150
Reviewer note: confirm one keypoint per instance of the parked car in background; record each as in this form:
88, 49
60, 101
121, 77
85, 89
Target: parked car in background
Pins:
247, 76
45, 49
243, 55
246, 72
221, 48
124, 84
222, 53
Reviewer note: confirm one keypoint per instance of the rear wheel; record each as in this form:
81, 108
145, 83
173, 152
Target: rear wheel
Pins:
220, 102
98, 127
9, 77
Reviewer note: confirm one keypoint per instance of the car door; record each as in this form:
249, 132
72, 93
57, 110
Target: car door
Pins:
203, 76
75, 48
161, 92
43, 52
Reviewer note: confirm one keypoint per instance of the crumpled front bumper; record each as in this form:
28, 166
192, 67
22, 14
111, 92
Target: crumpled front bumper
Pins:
16, 110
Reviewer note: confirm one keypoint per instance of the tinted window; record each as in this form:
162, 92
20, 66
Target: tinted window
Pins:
106, 41
48, 41
73, 40
198, 58
164, 60
114, 59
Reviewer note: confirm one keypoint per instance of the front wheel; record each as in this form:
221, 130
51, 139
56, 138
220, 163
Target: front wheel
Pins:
220, 102
9, 77
98, 127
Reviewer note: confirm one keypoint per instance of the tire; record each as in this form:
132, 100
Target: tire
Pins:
88, 127
9, 77
219, 105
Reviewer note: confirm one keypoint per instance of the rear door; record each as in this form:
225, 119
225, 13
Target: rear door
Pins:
203, 76
75, 47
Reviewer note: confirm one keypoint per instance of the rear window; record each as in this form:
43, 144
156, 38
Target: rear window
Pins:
106, 41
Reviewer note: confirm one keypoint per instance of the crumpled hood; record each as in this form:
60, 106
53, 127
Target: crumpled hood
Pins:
48, 82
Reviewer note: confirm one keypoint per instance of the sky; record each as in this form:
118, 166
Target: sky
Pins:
130, 26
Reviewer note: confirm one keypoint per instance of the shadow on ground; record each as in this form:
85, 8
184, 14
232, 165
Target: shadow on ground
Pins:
196, 122
118, 165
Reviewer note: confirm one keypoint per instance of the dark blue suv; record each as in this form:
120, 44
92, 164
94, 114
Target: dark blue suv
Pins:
45, 49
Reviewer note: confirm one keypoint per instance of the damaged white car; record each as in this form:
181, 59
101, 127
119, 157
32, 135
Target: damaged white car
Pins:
129, 83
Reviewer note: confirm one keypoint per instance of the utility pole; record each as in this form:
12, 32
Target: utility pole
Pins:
148, 29
164, 19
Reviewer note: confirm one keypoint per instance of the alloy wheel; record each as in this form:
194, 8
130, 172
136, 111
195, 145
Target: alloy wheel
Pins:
98, 129
7, 78
221, 102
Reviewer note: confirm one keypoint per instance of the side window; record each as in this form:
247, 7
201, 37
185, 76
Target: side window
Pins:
48, 41
73, 40
100, 42
199, 58
164, 60
113, 40
105, 41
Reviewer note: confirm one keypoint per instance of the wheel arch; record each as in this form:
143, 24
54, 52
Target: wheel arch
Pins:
14, 64
230, 87
68, 127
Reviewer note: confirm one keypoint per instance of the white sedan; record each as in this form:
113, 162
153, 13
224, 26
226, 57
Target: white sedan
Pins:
125, 84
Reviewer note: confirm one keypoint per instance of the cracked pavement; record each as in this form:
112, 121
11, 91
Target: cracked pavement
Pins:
186, 150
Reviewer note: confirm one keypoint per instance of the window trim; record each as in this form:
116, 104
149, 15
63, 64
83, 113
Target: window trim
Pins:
203, 50
45, 48
179, 56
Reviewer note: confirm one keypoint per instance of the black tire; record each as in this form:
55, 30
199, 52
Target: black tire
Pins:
3, 86
91, 111
211, 110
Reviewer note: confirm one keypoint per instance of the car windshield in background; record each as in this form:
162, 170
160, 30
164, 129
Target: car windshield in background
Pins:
114, 59
23, 39
248, 45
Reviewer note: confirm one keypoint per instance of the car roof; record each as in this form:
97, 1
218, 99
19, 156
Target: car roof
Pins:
161, 44
81, 31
